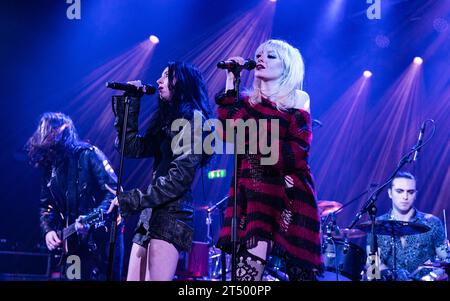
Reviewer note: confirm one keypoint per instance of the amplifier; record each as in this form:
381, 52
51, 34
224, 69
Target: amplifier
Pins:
24, 265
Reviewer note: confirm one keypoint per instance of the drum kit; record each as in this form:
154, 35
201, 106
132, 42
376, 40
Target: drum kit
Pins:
344, 260
432, 271
205, 260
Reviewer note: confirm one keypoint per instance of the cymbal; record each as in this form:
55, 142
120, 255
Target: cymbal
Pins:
393, 228
349, 233
327, 207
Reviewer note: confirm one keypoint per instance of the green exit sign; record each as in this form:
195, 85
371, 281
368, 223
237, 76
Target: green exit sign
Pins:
218, 173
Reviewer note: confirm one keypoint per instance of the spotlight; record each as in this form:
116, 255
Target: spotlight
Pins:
418, 60
154, 39
367, 74
273, 0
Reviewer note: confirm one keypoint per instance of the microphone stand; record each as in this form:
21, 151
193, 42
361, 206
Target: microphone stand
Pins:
371, 209
348, 203
234, 239
112, 235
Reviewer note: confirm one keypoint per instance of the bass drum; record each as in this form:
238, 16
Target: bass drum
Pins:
343, 260
193, 265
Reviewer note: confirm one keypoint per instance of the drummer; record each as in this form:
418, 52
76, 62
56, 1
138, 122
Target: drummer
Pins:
411, 250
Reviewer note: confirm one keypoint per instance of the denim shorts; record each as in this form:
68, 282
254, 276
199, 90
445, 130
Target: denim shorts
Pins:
169, 225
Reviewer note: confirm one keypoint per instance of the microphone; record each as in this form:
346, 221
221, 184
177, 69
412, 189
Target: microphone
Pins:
145, 89
230, 65
419, 142
316, 123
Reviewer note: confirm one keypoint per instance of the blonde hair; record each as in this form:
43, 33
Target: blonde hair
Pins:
289, 94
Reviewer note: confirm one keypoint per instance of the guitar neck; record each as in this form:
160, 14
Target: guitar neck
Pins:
90, 220
68, 231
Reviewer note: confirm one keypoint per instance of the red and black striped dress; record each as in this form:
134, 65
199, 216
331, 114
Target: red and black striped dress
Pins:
267, 210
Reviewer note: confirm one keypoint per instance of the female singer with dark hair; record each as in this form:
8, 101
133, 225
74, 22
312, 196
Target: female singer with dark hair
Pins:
165, 226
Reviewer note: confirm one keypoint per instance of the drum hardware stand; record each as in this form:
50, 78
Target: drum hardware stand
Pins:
334, 227
213, 250
371, 209
212, 253
330, 227
208, 228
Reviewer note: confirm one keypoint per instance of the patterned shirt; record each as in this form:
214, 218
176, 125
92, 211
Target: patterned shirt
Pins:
417, 249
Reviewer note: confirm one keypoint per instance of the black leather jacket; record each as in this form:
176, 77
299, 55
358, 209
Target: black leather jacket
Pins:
170, 189
75, 187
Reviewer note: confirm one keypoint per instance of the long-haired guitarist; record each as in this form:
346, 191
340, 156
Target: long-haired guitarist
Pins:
74, 198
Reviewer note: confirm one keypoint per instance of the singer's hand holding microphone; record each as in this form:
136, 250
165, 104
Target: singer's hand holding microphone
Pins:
235, 63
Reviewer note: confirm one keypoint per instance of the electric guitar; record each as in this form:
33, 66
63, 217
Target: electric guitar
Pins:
94, 220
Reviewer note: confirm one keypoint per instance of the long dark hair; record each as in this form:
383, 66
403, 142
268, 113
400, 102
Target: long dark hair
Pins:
189, 91
53, 139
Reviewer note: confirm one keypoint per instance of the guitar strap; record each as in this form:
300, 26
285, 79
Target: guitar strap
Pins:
72, 200
72, 186
71, 206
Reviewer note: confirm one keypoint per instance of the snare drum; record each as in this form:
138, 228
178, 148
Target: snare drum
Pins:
343, 260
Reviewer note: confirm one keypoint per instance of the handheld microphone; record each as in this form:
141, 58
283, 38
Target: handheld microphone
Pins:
230, 65
145, 89
419, 142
